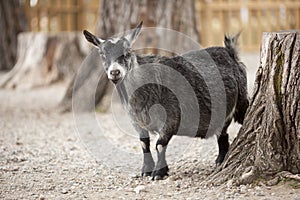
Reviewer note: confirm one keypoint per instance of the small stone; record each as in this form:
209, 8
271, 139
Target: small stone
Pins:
64, 191
243, 192
134, 176
258, 188
139, 189
272, 182
259, 194
172, 178
268, 188
169, 194
229, 184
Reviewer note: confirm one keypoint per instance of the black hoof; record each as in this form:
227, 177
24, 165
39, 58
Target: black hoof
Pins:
219, 160
157, 178
218, 164
145, 174
160, 173
147, 170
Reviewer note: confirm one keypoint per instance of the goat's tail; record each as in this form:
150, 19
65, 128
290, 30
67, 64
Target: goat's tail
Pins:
231, 43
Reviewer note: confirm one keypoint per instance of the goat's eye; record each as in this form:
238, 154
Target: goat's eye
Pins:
127, 56
102, 55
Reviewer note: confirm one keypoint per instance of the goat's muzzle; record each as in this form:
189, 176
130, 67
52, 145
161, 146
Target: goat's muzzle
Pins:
115, 75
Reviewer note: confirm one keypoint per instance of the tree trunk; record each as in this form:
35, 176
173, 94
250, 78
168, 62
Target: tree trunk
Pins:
44, 58
269, 140
179, 16
119, 16
12, 22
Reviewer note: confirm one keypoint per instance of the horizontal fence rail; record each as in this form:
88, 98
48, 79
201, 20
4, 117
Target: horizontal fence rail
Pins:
61, 15
252, 17
215, 18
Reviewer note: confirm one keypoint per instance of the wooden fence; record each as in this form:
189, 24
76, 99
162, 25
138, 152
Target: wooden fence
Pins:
61, 15
252, 17
216, 17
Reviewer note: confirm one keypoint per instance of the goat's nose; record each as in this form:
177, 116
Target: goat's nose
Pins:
115, 72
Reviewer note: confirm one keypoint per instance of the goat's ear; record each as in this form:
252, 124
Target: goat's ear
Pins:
92, 38
132, 35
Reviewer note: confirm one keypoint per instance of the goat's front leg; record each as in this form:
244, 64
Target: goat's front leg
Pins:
161, 168
148, 162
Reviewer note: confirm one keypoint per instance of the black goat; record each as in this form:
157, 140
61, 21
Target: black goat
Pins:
196, 94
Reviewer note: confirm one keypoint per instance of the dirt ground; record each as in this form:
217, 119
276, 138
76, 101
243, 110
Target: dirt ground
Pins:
48, 155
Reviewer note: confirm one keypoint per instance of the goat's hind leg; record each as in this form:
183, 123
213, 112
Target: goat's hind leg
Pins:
223, 144
148, 162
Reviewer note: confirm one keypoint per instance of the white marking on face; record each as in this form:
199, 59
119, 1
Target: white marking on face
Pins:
113, 40
101, 40
115, 66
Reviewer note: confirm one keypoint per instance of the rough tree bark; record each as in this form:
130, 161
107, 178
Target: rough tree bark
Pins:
44, 58
180, 16
269, 140
119, 16
12, 22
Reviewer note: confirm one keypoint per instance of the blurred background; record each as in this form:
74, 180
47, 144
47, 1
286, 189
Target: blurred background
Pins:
42, 42
212, 17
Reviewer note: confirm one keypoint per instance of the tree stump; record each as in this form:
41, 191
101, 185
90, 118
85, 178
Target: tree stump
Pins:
90, 80
12, 22
44, 58
269, 140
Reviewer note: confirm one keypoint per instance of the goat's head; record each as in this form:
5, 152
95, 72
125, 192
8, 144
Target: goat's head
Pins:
116, 53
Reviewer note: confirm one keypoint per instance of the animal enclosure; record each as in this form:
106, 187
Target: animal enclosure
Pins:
61, 15
253, 17
215, 17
